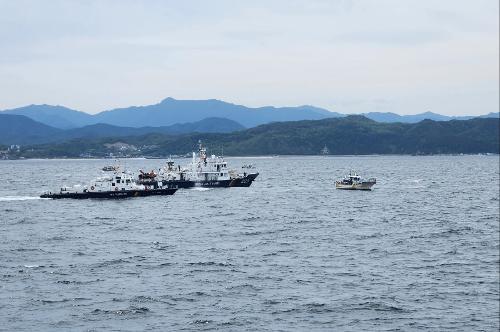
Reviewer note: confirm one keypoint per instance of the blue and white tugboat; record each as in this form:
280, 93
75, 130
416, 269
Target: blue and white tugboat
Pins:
353, 181
203, 171
119, 185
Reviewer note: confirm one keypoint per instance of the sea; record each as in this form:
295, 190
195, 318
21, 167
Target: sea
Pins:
420, 252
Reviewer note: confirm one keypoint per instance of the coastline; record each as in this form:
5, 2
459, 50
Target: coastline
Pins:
488, 154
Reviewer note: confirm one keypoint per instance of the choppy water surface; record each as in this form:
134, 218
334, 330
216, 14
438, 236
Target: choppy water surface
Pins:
420, 252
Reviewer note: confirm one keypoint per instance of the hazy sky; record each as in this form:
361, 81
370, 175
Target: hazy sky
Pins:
400, 56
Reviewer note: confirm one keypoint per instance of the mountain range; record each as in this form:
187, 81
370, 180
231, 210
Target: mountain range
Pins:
393, 117
171, 111
19, 129
168, 112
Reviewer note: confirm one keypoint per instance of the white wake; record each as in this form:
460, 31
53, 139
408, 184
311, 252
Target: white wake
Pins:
18, 198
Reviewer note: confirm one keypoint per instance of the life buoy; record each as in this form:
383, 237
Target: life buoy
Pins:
116, 189
92, 188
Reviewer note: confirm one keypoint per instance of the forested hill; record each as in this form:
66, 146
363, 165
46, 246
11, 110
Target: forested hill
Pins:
349, 135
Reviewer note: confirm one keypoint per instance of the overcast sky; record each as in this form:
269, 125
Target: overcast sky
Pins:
398, 56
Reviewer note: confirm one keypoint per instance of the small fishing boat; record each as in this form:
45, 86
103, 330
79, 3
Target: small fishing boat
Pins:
353, 181
110, 168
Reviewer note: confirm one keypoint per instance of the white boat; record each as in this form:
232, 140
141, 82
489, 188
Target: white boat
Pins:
353, 181
203, 171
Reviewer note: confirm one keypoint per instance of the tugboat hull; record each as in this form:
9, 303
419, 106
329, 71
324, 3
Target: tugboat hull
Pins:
111, 194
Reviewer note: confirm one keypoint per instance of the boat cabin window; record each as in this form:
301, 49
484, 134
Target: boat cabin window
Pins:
113, 184
118, 181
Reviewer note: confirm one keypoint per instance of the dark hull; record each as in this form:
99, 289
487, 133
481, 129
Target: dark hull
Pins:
245, 181
112, 194
365, 189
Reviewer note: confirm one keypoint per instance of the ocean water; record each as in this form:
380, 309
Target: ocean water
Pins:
419, 252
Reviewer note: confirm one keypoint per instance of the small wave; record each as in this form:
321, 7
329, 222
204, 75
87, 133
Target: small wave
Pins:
145, 299
378, 306
209, 263
57, 238
236, 321
78, 282
370, 236
198, 294
251, 233
180, 299
286, 311
244, 287
416, 187
27, 249
317, 308
46, 301
54, 301
111, 262
250, 218
123, 312
159, 246
452, 231
200, 188
165, 264
64, 282
19, 198
202, 321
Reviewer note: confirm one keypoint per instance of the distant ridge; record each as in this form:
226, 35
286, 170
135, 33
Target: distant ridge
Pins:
491, 115
171, 111
55, 116
392, 117
209, 125
19, 129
